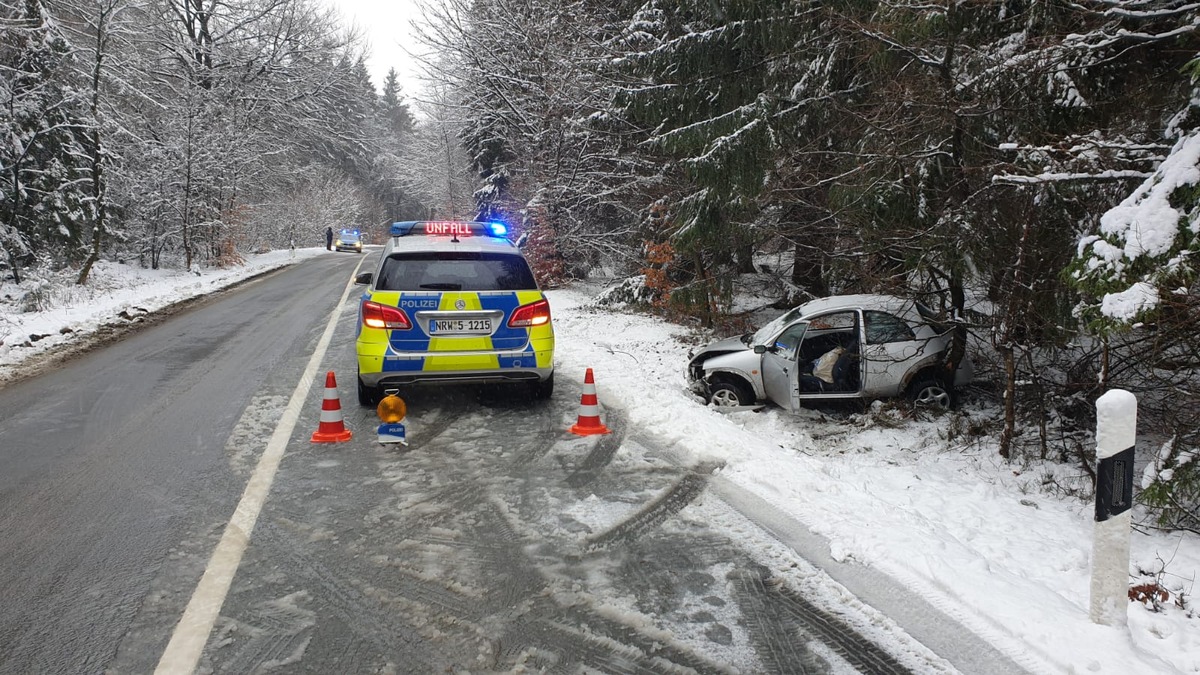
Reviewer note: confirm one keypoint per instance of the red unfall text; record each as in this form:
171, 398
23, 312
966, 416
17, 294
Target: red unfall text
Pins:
459, 229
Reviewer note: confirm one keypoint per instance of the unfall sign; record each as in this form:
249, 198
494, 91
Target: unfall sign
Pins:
448, 228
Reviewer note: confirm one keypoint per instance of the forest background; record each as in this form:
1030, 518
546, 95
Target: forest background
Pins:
1027, 167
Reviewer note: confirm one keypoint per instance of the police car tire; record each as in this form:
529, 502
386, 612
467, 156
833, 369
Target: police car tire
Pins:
367, 396
542, 390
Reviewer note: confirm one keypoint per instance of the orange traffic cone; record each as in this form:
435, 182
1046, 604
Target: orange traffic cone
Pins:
331, 429
589, 423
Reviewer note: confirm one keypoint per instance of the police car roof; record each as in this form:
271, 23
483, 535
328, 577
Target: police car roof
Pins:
445, 235
409, 245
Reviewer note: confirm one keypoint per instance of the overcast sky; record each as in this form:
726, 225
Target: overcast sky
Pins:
386, 24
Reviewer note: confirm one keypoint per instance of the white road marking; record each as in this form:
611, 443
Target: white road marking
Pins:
182, 654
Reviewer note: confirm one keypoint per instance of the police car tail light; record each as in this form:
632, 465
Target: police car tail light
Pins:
375, 315
533, 314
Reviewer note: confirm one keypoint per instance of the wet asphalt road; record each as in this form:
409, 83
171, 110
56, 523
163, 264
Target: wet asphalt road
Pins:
495, 543
111, 459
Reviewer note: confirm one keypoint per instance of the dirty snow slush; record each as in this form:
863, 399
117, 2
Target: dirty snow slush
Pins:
498, 542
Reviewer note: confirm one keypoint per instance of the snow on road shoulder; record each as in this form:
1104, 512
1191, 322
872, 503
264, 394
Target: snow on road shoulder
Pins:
937, 509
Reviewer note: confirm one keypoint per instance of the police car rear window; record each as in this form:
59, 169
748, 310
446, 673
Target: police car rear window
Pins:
455, 271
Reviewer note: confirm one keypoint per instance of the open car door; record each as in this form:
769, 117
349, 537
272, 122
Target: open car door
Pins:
829, 357
781, 367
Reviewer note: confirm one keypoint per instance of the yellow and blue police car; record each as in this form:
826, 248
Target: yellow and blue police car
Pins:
452, 301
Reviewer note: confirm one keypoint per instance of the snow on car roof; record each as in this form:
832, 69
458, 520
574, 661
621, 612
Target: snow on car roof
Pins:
889, 303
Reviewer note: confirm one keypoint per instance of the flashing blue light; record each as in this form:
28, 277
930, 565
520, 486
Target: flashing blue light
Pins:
402, 229
498, 229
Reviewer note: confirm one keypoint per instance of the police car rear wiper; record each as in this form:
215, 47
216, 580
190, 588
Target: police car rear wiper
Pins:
442, 287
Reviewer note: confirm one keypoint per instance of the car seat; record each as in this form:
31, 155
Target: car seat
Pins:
845, 373
811, 384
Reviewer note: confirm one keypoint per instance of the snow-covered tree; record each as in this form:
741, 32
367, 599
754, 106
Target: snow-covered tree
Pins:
235, 97
434, 167
1138, 277
533, 80
102, 32
43, 176
395, 109
396, 129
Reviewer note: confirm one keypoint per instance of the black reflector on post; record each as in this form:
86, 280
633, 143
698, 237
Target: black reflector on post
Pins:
1114, 485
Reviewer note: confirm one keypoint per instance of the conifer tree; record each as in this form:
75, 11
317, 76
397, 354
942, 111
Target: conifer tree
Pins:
1137, 277
395, 109
714, 94
43, 183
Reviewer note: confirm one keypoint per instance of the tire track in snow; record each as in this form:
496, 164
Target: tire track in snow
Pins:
782, 616
675, 499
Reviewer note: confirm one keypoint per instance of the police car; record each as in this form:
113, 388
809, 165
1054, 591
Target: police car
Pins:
452, 301
348, 240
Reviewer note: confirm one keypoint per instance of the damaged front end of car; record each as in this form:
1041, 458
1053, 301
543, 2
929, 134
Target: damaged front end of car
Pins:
724, 373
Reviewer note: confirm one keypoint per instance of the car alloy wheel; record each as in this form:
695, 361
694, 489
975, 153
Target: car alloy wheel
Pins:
931, 395
729, 395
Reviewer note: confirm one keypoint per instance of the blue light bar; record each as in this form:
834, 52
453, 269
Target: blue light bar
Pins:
498, 229
403, 229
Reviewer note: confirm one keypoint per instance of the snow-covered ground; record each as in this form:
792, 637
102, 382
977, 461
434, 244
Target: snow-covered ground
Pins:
925, 501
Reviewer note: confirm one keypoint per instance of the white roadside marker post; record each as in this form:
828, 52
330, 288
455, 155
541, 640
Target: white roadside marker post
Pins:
1116, 431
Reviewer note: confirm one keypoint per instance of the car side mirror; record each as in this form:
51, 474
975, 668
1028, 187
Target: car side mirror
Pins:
760, 349
364, 279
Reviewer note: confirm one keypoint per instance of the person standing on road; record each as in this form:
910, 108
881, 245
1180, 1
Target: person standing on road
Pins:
329, 238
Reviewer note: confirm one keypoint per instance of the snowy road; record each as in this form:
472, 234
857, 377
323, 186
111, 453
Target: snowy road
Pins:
497, 543
479, 549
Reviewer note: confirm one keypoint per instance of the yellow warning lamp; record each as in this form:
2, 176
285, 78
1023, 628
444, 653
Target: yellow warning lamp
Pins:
391, 409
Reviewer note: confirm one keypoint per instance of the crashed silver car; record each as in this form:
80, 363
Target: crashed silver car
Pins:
842, 347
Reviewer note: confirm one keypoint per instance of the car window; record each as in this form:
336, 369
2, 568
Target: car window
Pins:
787, 341
883, 328
762, 335
836, 321
455, 271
